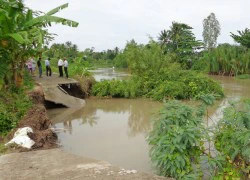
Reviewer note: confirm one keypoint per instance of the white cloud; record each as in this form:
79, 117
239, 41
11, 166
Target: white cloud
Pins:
108, 23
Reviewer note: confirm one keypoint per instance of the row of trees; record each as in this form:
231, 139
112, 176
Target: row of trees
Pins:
23, 34
71, 51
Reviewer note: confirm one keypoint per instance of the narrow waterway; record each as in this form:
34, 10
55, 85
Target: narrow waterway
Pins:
115, 130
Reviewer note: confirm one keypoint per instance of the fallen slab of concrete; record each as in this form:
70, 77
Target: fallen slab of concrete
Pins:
54, 93
57, 164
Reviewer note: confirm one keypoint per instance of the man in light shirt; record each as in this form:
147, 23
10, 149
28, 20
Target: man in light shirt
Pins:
60, 65
65, 64
47, 65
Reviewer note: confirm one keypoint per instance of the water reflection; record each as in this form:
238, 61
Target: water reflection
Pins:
108, 74
114, 129
67, 125
138, 113
109, 129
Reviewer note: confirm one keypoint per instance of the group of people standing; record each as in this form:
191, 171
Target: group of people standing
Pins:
47, 65
62, 64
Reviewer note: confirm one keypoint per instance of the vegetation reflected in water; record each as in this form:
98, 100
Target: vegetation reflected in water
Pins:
109, 129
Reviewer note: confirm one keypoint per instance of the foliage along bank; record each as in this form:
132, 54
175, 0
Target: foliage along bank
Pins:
14, 104
156, 75
225, 60
179, 142
23, 34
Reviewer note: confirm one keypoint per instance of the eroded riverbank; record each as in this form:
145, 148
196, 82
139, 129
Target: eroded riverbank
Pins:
58, 164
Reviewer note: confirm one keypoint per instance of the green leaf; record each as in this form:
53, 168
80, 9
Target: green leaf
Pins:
46, 19
18, 37
57, 9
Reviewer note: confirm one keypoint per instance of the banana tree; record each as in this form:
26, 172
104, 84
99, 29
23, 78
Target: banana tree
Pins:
23, 33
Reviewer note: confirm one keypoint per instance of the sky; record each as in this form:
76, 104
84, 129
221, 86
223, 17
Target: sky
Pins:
106, 24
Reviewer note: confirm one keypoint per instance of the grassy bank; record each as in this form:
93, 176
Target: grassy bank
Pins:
14, 103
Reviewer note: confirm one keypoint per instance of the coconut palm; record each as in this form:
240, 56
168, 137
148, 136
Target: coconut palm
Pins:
179, 40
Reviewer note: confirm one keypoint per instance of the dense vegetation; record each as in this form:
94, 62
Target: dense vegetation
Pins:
232, 140
162, 70
179, 143
22, 35
14, 103
176, 141
226, 59
156, 75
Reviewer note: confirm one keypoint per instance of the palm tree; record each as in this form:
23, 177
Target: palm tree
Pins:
179, 40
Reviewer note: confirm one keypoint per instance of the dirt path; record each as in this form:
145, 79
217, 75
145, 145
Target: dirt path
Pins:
57, 164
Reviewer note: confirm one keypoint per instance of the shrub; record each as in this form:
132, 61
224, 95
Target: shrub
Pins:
176, 141
180, 85
13, 107
232, 141
155, 75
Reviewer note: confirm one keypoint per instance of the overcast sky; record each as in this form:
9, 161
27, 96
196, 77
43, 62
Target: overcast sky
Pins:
105, 24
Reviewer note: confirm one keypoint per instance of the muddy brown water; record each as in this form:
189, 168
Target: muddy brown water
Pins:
115, 130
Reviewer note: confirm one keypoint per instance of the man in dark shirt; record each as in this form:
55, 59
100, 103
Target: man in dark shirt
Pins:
39, 64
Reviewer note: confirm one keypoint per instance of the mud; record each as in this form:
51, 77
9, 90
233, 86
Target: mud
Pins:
37, 119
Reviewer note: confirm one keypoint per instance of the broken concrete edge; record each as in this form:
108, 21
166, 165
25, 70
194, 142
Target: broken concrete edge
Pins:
84, 165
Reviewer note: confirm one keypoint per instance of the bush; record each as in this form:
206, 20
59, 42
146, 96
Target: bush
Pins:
232, 141
13, 107
176, 141
156, 76
180, 85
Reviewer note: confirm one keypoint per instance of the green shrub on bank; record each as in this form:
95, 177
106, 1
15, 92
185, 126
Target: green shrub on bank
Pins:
14, 103
157, 76
176, 141
179, 139
180, 85
13, 107
232, 140
225, 59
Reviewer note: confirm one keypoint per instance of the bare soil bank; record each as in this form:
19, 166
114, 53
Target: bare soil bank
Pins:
37, 119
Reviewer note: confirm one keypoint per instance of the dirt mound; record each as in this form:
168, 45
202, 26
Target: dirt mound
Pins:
44, 139
37, 119
37, 95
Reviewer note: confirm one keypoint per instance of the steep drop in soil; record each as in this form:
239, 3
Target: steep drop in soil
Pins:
37, 119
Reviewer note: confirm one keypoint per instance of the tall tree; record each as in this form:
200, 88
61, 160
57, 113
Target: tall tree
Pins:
179, 40
243, 38
211, 31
